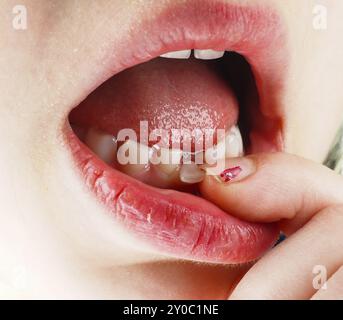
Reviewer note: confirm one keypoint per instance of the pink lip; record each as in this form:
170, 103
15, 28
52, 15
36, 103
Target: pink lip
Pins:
180, 224
177, 223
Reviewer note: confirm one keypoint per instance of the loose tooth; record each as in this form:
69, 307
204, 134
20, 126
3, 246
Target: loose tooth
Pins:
182, 54
208, 54
102, 144
190, 173
234, 143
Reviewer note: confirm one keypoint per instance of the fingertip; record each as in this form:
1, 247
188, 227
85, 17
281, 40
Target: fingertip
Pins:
231, 170
220, 185
248, 187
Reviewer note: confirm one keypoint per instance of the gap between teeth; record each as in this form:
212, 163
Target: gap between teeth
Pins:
161, 164
207, 54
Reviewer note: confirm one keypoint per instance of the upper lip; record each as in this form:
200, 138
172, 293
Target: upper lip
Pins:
179, 225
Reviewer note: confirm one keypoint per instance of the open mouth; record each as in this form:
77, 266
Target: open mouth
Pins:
208, 66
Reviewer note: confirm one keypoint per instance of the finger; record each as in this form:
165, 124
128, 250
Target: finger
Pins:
271, 187
333, 288
287, 271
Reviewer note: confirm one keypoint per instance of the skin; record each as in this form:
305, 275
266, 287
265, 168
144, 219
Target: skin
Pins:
57, 247
310, 214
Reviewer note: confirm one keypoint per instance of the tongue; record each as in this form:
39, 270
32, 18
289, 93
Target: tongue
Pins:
168, 93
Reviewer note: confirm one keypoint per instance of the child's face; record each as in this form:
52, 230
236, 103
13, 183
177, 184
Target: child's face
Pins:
51, 228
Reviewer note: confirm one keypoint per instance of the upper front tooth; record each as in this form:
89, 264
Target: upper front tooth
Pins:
102, 144
208, 54
133, 153
183, 54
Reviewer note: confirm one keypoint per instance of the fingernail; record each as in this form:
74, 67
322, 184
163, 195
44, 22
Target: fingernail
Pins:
232, 170
231, 173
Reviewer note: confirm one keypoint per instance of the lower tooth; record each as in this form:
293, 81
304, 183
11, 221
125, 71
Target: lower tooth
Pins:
234, 143
139, 159
191, 173
131, 152
231, 147
171, 167
129, 156
158, 155
104, 145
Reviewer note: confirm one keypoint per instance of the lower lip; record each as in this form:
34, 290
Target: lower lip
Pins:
174, 223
